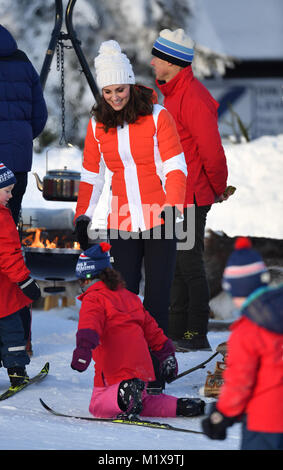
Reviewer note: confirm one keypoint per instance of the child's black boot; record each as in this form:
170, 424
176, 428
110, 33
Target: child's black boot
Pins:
190, 407
130, 396
17, 376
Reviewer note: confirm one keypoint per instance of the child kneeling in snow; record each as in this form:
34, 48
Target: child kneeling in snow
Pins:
116, 331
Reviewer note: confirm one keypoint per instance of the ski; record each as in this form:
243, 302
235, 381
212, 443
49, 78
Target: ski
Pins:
37, 378
198, 366
118, 420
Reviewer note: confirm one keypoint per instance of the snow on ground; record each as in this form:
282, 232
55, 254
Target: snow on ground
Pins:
25, 424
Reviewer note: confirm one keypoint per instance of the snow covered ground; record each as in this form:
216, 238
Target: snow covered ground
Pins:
25, 424
255, 209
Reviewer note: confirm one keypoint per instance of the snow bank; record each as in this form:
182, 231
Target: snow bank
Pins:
256, 208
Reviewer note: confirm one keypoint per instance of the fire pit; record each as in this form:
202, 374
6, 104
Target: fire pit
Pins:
51, 253
52, 264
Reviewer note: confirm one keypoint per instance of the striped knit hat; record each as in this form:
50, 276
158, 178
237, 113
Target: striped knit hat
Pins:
93, 260
245, 270
174, 47
7, 177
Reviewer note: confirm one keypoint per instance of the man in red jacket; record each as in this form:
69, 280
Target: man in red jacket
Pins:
195, 113
18, 289
253, 378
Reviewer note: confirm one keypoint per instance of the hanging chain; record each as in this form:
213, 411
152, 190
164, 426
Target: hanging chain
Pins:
60, 63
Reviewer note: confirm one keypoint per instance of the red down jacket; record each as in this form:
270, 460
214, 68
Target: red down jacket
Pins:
253, 379
126, 331
195, 113
12, 266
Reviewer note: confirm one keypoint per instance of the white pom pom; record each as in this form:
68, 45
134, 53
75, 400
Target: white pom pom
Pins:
110, 47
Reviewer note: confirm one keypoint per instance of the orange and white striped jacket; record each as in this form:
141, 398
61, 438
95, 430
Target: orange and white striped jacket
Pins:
147, 167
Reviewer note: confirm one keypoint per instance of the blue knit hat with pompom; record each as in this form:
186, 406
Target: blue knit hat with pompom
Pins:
93, 260
245, 270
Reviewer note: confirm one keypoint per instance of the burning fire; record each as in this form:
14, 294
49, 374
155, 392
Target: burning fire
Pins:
35, 240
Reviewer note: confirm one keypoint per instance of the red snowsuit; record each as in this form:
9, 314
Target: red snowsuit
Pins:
253, 379
126, 332
195, 113
12, 266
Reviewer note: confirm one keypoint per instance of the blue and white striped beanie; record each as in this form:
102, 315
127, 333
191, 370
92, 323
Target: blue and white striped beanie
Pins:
7, 177
174, 47
245, 270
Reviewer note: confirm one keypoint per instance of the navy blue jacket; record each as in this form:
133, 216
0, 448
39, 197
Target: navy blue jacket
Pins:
23, 112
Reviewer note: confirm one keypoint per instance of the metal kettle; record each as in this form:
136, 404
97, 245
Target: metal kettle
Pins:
59, 184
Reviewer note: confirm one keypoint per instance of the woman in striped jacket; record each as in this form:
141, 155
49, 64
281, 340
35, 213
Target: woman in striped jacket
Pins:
135, 141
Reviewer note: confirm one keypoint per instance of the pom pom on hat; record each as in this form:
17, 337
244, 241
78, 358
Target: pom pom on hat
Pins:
112, 67
7, 177
105, 246
245, 270
175, 47
242, 243
93, 260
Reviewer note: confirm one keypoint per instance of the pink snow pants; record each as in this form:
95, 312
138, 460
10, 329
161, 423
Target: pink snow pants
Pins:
104, 404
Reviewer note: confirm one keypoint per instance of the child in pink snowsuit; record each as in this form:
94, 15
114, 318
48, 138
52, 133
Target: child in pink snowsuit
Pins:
118, 334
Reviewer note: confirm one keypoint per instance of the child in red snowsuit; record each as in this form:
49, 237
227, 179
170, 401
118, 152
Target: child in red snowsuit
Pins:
18, 289
253, 378
118, 333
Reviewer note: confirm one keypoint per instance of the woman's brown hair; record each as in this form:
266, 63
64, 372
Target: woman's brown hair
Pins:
139, 104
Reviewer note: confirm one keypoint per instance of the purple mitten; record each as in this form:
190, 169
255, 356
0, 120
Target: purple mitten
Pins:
87, 340
168, 349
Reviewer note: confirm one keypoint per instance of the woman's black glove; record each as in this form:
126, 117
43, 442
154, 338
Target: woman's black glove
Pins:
216, 424
170, 214
81, 227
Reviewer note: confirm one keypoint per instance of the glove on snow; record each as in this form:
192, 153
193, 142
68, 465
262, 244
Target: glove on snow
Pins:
82, 224
216, 424
30, 288
87, 340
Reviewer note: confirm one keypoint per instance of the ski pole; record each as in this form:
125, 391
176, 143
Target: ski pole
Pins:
199, 366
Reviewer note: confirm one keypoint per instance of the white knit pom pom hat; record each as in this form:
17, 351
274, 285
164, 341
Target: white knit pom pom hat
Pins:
112, 67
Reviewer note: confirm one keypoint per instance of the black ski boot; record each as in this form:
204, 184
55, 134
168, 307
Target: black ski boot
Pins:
17, 376
190, 407
130, 396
